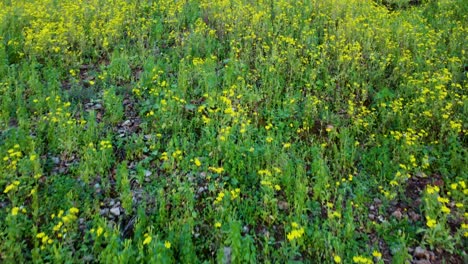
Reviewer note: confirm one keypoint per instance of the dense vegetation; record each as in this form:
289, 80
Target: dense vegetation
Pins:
233, 131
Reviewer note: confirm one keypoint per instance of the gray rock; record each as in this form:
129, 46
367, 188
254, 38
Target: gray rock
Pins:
115, 211
227, 254
397, 214
421, 253
148, 173
422, 261
201, 189
104, 211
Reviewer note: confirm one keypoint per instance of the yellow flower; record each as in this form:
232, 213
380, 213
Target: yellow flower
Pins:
14, 210
147, 239
167, 244
277, 187
445, 209
11, 187
74, 210
337, 259
295, 233
442, 200
217, 224
377, 254
216, 170
431, 222
197, 162
99, 231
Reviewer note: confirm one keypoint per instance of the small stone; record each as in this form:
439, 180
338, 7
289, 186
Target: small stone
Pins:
115, 211
111, 203
104, 211
371, 216
414, 216
227, 254
381, 218
201, 189
372, 208
88, 258
55, 160
377, 201
421, 253
282, 205
97, 106
397, 214
148, 173
422, 261
127, 123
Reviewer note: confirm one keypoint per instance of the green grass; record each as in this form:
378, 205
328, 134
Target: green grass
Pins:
233, 131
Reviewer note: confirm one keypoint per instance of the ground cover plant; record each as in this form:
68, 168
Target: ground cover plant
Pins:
233, 131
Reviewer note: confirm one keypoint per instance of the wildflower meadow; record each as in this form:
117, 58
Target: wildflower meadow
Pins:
233, 131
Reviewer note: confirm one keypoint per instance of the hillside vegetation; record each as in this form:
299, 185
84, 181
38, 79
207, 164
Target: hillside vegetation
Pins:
233, 131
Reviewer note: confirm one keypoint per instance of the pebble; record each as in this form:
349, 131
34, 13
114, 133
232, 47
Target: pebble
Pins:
104, 211
115, 211
227, 254
422, 261
283, 205
421, 253
397, 214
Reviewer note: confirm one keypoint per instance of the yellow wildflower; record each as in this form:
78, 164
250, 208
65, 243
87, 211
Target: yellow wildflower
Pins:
376, 254
167, 244
11, 187
431, 222
147, 239
445, 209
99, 231
14, 210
